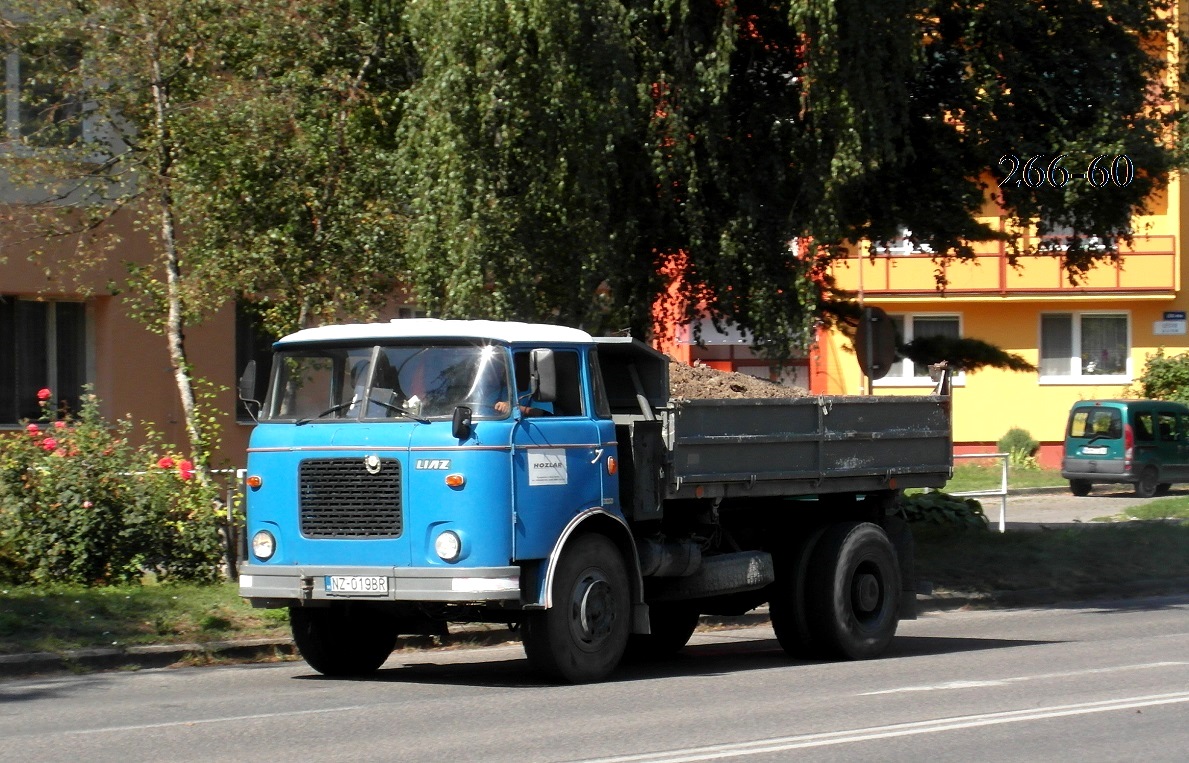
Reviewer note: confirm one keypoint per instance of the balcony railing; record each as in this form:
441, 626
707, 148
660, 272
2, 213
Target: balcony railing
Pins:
1148, 267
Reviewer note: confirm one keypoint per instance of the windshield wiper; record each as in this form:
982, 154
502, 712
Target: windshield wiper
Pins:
398, 409
327, 412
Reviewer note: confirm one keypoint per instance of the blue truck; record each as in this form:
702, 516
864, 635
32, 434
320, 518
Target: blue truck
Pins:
408, 475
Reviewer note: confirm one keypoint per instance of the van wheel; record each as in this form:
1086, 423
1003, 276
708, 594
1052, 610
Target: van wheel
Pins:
1079, 487
1148, 482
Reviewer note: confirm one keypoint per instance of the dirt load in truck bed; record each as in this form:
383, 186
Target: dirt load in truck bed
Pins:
705, 383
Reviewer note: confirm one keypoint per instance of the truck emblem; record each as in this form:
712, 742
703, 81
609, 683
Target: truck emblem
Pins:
433, 463
372, 464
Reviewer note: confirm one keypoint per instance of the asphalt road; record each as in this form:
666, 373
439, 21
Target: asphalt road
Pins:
1101, 682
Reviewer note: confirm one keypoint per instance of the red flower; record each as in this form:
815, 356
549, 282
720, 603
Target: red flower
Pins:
186, 469
44, 393
33, 429
59, 425
165, 462
49, 443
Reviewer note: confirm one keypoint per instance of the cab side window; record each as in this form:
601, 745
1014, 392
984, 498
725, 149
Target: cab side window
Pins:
569, 383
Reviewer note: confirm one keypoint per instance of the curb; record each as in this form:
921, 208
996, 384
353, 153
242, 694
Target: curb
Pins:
278, 649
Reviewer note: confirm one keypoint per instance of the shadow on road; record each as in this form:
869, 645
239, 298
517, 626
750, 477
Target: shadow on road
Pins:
701, 660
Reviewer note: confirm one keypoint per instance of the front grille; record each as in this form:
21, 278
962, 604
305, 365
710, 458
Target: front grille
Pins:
339, 498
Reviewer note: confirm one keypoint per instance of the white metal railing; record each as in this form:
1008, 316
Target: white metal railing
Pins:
1001, 492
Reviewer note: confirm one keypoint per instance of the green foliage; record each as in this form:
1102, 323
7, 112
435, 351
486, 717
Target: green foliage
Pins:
79, 504
543, 159
1020, 448
936, 508
1165, 377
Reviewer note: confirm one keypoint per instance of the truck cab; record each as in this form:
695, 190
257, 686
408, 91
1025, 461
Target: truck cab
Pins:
423, 463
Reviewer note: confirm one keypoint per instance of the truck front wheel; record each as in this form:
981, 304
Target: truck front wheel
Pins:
582, 636
343, 640
853, 592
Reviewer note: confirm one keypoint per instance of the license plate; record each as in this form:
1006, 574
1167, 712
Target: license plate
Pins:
359, 585
1094, 450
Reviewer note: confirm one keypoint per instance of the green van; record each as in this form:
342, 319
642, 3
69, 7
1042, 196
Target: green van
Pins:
1142, 442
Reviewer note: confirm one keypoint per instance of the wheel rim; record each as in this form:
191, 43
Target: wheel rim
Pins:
867, 593
592, 610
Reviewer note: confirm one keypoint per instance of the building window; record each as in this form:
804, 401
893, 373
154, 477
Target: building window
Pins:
910, 327
36, 111
48, 347
1092, 347
252, 342
903, 245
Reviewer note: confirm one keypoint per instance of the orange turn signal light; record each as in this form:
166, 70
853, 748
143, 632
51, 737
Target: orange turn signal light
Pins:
253, 481
455, 480
612, 465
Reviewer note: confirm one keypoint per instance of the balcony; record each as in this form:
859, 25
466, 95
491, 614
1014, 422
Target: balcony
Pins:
1149, 267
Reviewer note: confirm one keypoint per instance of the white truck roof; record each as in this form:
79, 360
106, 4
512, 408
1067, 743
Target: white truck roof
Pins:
436, 328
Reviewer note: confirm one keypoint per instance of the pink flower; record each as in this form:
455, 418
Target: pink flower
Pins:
59, 425
186, 469
44, 393
49, 443
87, 504
32, 429
165, 462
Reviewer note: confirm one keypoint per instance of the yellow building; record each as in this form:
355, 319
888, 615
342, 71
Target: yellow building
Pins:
1088, 340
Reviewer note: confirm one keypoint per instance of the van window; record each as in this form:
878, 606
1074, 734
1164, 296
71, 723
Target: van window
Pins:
1096, 422
1144, 429
1168, 427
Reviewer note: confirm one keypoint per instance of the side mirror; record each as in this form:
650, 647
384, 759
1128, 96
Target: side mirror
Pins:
461, 423
544, 376
247, 383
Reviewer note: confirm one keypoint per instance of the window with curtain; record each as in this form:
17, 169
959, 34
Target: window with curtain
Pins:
909, 327
1085, 345
47, 344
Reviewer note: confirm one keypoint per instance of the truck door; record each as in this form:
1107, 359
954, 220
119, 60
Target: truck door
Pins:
557, 458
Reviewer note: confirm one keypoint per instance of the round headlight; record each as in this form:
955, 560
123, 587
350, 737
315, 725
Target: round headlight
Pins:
263, 545
448, 546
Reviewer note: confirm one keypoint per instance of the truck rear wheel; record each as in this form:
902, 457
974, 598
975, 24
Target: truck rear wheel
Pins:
343, 640
853, 594
1079, 488
582, 637
787, 603
672, 625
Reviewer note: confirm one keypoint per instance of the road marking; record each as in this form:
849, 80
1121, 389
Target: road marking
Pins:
204, 721
825, 739
1020, 679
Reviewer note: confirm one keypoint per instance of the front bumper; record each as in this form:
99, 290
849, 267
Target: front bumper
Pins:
281, 585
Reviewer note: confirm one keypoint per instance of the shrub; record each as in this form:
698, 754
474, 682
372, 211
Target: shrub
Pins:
1020, 448
79, 504
936, 508
1165, 378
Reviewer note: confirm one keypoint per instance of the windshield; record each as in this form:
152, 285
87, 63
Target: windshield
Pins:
424, 382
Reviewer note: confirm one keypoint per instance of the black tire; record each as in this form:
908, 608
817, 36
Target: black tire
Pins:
1080, 488
582, 637
1163, 488
853, 594
1149, 480
672, 625
787, 606
343, 640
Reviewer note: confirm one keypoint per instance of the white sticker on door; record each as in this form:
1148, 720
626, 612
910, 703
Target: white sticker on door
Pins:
547, 467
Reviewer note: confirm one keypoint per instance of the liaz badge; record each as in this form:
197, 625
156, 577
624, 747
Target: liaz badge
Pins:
437, 464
